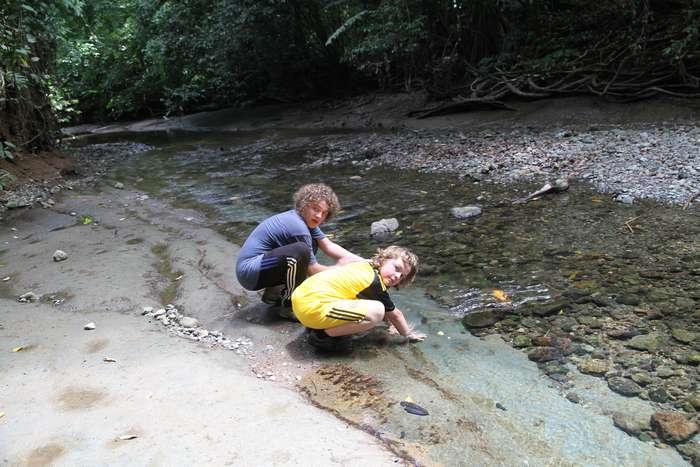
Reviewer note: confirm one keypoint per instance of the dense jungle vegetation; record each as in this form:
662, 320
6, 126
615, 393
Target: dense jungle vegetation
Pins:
83, 60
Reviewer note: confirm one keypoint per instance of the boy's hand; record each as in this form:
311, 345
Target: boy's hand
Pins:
416, 336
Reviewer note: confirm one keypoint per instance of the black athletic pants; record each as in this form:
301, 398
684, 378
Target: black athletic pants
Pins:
286, 265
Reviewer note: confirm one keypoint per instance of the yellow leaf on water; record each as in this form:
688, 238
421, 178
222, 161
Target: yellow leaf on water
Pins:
2, 414
596, 200
500, 295
18, 349
440, 333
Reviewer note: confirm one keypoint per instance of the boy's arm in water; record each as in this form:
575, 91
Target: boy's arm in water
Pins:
397, 319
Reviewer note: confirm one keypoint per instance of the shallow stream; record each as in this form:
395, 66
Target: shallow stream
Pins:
605, 266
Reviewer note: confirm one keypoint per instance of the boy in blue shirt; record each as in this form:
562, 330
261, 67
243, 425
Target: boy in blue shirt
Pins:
281, 251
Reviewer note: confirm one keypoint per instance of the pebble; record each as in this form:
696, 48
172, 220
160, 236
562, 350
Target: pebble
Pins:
28, 297
60, 255
190, 328
465, 212
188, 322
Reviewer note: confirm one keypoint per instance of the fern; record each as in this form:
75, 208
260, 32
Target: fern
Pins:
345, 26
6, 178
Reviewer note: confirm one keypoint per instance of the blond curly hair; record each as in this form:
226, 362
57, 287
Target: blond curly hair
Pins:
409, 259
315, 193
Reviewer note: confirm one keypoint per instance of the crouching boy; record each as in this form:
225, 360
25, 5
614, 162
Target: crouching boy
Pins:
350, 299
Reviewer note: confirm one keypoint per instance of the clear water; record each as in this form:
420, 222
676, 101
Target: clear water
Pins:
575, 242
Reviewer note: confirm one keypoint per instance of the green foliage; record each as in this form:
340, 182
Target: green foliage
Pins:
385, 43
28, 32
346, 26
132, 58
5, 179
687, 43
7, 150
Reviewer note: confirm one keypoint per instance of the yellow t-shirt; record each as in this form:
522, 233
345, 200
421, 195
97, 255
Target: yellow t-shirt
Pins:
351, 281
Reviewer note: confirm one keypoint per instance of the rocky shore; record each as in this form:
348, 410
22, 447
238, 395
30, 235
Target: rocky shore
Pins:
656, 162
645, 342
640, 332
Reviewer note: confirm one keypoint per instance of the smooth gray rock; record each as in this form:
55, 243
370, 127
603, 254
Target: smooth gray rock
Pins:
624, 386
465, 212
632, 423
188, 322
384, 227
60, 255
28, 297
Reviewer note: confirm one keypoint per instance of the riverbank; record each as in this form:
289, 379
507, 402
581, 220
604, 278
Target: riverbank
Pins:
646, 149
130, 389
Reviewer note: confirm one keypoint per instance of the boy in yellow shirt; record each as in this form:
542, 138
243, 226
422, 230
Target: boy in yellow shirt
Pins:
353, 298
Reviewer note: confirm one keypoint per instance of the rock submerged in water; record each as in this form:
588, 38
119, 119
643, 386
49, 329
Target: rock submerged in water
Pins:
673, 427
631, 423
624, 386
594, 366
413, 408
521, 341
684, 336
482, 319
648, 342
545, 354
549, 309
465, 212
384, 227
